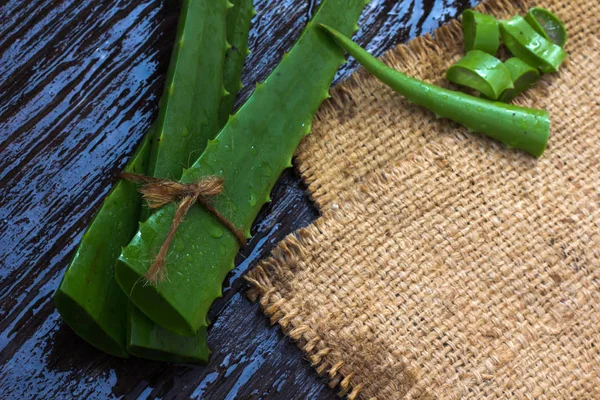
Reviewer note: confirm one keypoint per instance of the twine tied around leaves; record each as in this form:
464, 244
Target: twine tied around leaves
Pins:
158, 192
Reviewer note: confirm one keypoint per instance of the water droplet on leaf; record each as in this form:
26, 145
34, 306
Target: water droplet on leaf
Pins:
265, 169
252, 198
216, 231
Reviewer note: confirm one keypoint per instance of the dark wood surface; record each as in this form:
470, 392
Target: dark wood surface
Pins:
79, 86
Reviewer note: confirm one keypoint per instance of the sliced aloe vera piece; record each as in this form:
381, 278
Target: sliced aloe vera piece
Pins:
480, 31
482, 72
524, 42
264, 133
523, 76
548, 25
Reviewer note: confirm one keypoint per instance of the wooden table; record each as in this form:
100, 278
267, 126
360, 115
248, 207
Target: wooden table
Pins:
79, 86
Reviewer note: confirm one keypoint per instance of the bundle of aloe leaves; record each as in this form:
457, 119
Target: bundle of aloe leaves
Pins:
106, 296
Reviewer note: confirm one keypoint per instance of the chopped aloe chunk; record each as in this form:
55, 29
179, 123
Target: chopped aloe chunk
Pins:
523, 76
480, 31
524, 42
548, 25
482, 72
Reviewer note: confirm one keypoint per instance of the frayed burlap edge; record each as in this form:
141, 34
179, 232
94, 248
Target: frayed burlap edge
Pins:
322, 358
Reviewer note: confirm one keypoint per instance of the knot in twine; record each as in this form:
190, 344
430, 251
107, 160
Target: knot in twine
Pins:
158, 192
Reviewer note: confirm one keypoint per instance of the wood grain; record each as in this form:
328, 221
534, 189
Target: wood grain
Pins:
79, 86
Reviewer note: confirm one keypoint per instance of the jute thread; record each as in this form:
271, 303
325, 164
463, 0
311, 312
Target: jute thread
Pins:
158, 192
446, 266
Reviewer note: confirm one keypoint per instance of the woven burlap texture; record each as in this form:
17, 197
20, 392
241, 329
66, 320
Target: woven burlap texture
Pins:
446, 266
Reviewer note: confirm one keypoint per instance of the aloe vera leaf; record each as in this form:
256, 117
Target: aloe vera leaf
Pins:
482, 72
480, 31
188, 114
523, 76
251, 151
523, 128
88, 298
238, 29
548, 25
524, 42
146, 339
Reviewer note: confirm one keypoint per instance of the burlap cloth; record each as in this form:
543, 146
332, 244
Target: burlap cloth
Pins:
445, 265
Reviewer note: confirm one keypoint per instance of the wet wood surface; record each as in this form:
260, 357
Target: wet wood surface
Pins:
79, 86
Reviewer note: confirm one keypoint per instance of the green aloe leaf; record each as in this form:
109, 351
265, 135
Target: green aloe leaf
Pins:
238, 28
252, 150
193, 91
523, 128
145, 338
89, 298
482, 72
